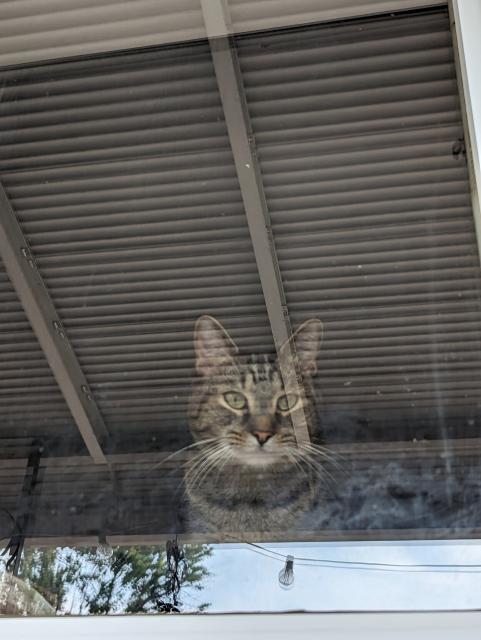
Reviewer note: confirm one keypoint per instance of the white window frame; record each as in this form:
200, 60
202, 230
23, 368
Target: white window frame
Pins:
302, 626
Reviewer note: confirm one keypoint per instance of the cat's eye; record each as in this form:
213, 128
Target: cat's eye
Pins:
287, 402
235, 400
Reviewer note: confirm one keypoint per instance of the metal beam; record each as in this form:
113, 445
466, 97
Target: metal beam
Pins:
40, 310
229, 80
465, 25
356, 537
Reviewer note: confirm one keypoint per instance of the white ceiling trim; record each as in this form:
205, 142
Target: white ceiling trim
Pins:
33, 32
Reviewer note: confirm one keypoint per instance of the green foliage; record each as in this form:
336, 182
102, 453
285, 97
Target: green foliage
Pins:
133, 580
42, 569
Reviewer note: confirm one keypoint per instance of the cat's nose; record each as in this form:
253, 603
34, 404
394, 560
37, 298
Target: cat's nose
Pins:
262, 436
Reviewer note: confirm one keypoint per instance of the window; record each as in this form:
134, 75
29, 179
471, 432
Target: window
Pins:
241, 317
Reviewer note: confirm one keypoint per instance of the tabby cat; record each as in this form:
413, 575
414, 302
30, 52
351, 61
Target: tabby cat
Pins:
248, 472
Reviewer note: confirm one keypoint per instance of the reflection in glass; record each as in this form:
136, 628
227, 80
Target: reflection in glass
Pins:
80, 581
123, 183
250, 472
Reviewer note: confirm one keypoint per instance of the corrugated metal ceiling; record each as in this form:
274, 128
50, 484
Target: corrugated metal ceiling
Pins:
371, 210
121, 175
31, 404
132, 209
120, 172
31, 31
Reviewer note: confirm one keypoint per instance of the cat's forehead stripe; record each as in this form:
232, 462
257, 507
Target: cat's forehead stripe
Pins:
255, 372
249, 381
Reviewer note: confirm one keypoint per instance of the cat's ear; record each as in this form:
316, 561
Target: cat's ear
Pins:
307, 340
214, 348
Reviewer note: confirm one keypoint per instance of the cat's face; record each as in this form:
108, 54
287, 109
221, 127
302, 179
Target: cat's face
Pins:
242, 409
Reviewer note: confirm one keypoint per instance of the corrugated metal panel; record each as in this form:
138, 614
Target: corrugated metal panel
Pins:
254, 15
355, 126
32, 31
121, 175
31, 405
120, 172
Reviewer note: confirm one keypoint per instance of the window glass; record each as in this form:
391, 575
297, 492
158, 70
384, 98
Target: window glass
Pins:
240, 342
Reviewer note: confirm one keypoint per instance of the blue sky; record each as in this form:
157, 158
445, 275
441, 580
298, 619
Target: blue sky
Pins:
242, 580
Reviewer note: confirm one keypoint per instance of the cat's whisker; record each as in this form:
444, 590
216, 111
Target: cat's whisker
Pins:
192, 464
195, 472
316, 467
197, 468
324, 453
327, 479
311, 476
176, 453
203, 452
312, 457
212, 464
196, 463
198, 457
299, 458
209, 462
338, 469
300, 469
227, 458
217, 464
304, 458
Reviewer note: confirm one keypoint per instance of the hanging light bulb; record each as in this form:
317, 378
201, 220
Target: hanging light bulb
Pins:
286, 575
104, 548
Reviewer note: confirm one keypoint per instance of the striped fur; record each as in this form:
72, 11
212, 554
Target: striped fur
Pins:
248, 472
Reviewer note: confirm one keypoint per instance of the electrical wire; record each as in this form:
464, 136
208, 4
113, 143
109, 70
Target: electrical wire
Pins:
367, 566
377, 564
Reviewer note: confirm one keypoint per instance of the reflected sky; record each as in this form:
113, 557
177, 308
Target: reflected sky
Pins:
242, 580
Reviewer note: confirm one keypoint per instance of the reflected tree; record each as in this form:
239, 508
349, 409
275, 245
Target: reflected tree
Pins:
50, 573
132, 580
